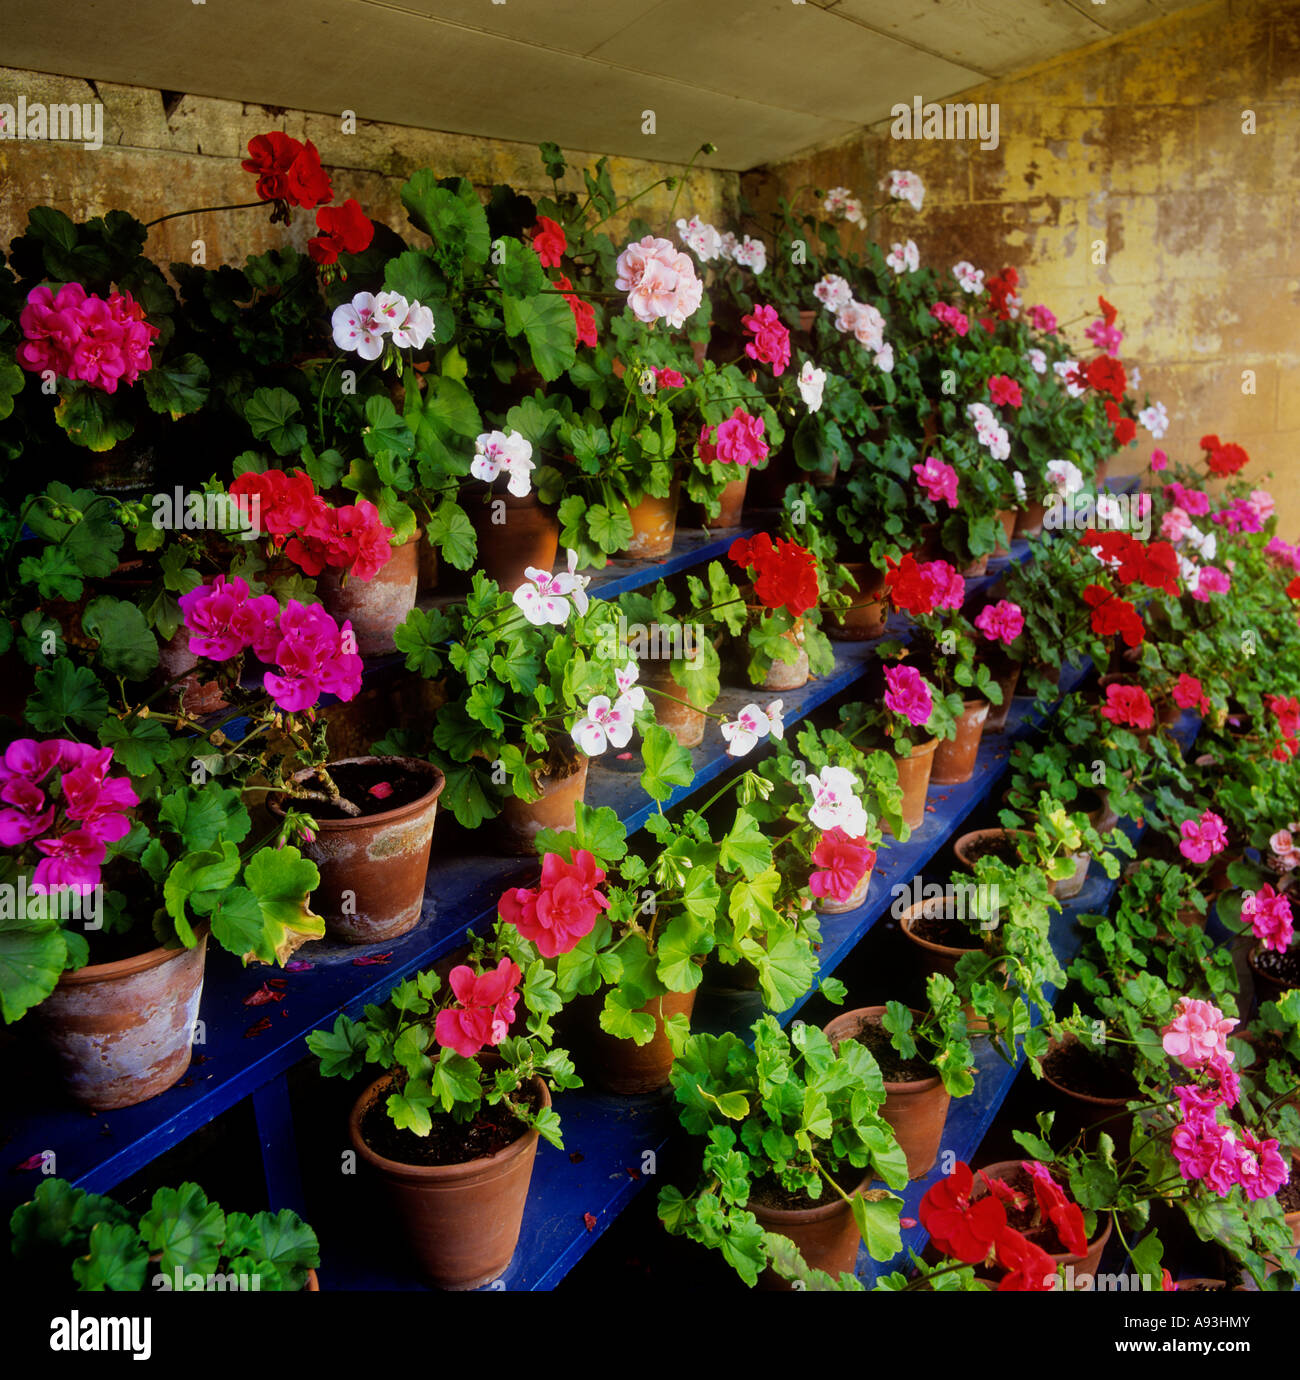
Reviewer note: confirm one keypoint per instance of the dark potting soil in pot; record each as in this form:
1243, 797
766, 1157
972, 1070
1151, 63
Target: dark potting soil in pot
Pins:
1281, 967
354, 782
770, 1193
893, 1066
1022, 1219
1005, 849
1288, 1196
945, 930
449, 1142
1077, 1068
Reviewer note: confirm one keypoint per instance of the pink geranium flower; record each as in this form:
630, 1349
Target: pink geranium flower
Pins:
843, 862
1001, 622
1188, 694
1127, 706
563, 909
1198, 1034
938, 479
1269, 915
1202, 838
1005, 391
771, 342
907, 693
486, 1011
739, 440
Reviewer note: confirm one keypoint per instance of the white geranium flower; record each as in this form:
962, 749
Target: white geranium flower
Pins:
416, 328
904, 258
834, 802
884, 360
1018, 481
356, 327
1155, 418
544, 597
775, 718
811, 383
833, 292
751, 254
508, 451
969, 278
1037, 361
906, 186
701, 237
1064, 476
604, 725
742, 735
630, 693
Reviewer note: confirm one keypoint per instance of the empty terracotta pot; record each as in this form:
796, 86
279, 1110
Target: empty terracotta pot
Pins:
513, 534
826, 1235
954, 758
462, 1220
375, 606
623, 1066
520, 821
865, 618
122, 1031
373, 867
654, 523
916, 1109
914, 778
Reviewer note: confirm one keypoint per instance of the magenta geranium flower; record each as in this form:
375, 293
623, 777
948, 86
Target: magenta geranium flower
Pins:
1005, 391
1269, 914
1001, 622
1202, 838
907, 693
1198, 1034
315, 656
938, 479
843, 862
487, 1008
1261, 1170
739, 440
771, 342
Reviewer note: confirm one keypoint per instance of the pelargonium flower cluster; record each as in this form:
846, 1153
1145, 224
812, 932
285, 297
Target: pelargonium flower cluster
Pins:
1103, 333
544, 597
1269, 914
1223, 458
908, 694
1063, 476
609, 723
563, 909
343, 229
742, 733
1003, 297
313, 532
584, 314
737, 440
660, 282
784, 573
1201, 839
989, 431
288, 170
504, 452
956, 321
771, 342
905, 186
867, 326
1155, 418
921, 587
701, 238
1001, 622
938, 479
1129, 706
372, 320
843, 205
969, 278
549, 241
69, 820
87, 339
1286, 710
835, 804
747, 252
842, 862
314, 654
486, 1010
1284, 848
904, 257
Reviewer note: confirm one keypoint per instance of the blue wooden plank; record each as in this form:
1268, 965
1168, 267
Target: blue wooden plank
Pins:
275, 1135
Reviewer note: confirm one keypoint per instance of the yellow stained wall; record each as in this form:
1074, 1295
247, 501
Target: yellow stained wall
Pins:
1138, 142
156, 160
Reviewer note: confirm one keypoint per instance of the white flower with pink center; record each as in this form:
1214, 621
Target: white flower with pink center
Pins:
904, 258
357, 327
969, 278
833, 292
835, 805
604, 725
1155, 418
629, 692
544, 597
751, 254
742, 733
1037, 361
775, 718
811, 383
504, 451
906, 186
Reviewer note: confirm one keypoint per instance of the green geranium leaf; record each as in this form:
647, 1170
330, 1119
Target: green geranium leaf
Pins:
127, 645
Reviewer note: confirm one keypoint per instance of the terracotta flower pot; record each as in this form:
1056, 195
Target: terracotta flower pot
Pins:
623, 1066
865, 617
1029, 520
807, 317
914, 778
122, 1031
826, 1236
1069, 887
513, 534
462, 1220
785, 675
954, 758
1269, 987
426, 559
916, 1109
192, 694
686, 723
1008, 518
1081, 1111
377, 605
825, 905
654, 523
1007, 679
373, 867
520, 821
942, 958
733, 501
1085, 1264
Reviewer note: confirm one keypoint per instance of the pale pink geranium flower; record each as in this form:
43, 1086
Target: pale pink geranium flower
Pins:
904, 258
1037, 361
969, 278
1174, 525
906, 186
833, 292
357, 327
775, 718
1198, 1034
415, 329
604, 724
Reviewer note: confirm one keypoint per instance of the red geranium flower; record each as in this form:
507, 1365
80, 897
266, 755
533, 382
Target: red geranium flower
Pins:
563, 909
1127, 706
908, 588
1111, 615
1225, 459
344, 229
784, 573
1032, 1270
549, 241
1001, 290
1287, 712
1064, 1215
1106, 375
1124, 429
1188, 694
962, 1229
1108, 312
584, 314
1293, 589
1210, 443
1005, 391
307, 184
270, 156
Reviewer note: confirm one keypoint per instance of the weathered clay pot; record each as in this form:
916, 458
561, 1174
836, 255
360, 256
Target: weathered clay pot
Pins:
807, 316
122, 1031
377, 605
966, 847
1007, 679
373, 867
462, 1220
824, 905
1029, 520
1085, 1264
976, 568
520, 821
513, 534
785, 675
733, 501
941, 958
686, 723
654, 523
916, 1109
865, 618
826, 1236
954, 758
623, 1066
1082, 1112
1269, 987
1069, 887
426, 555
1008, 517
194, 695
914, 778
